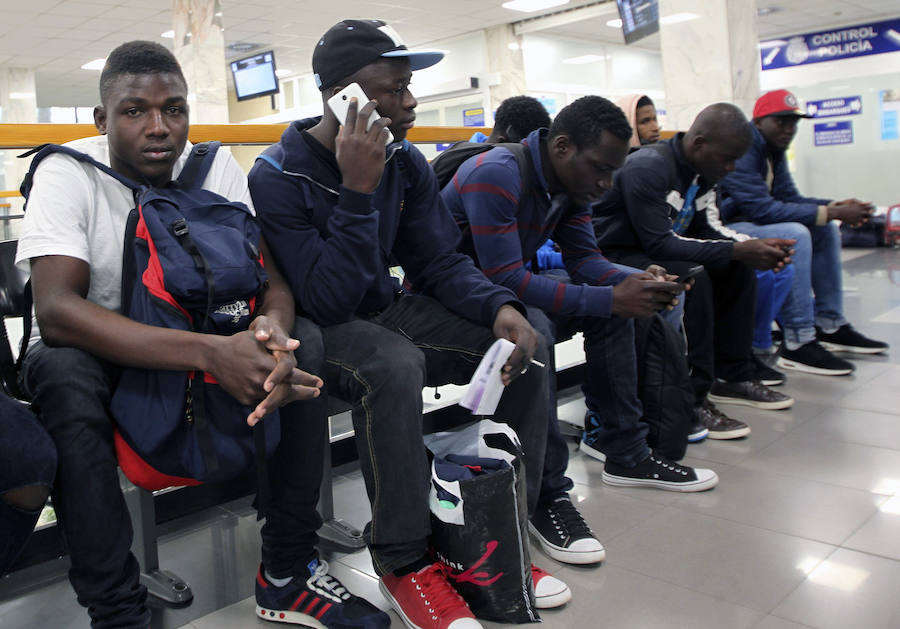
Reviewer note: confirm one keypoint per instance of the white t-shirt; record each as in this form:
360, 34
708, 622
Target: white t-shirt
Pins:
76, 210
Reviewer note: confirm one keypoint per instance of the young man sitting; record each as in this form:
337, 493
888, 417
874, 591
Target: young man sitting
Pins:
760, 198
572, 167
661, 209
340, 209
72, 240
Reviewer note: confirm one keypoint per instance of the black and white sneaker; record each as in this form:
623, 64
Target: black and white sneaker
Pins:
813, 358
749, 393
765, 373
563, 533
848, 339
660, 473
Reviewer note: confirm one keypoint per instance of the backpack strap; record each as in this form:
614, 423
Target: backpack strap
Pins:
526, 166
197, 166
44, 150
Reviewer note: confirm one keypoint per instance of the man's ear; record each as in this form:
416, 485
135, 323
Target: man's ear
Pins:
100, 119
561, 144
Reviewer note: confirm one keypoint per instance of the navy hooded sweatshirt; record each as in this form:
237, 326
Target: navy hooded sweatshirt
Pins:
335, 246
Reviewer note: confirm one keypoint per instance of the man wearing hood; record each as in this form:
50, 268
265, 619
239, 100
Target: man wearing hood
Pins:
641, 114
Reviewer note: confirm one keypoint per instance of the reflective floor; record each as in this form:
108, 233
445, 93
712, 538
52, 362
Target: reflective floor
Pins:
802, 531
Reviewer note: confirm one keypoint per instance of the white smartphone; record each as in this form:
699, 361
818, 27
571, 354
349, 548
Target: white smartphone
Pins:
340, 102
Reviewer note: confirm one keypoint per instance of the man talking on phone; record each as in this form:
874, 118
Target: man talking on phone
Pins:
342, 208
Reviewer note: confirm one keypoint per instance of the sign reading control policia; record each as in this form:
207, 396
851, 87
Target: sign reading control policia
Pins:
844, 43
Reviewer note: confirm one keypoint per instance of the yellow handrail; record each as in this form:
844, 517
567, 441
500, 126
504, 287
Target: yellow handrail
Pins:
26, 136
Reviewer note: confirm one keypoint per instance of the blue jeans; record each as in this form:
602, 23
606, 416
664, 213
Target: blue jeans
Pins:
772, 289
817, 271
71, 390
27, 458
380, 365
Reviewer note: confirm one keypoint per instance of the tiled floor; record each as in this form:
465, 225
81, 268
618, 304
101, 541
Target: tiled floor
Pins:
802, 531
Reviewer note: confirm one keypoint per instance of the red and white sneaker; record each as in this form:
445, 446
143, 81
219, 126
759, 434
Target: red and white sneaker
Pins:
549, 591
426, 600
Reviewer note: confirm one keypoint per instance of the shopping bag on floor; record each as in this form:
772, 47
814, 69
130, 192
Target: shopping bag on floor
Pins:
479, 519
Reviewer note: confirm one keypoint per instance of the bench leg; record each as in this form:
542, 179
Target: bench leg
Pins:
159, 583
335, 532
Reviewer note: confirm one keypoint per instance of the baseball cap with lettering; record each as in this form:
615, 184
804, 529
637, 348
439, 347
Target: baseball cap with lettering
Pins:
778, 103
350, 45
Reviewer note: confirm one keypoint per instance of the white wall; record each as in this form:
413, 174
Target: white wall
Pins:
869, 168
622, 70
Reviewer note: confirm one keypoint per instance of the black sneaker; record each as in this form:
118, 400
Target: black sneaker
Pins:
698, 433
660, 473
563, 533
720, 425
765, 373
813, 358
848, 339
319, 600
749, 393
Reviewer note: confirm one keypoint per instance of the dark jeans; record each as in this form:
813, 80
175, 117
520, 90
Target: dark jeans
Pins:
27, 458
718, 319
71, 390
380, 365
610, 391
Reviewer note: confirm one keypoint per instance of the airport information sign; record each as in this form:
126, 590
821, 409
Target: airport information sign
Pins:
831, 107
844, 43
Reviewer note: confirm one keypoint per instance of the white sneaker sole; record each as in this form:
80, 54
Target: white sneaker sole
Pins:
786, 363
723, 435
567, 555
739, 401
470, 623
773, 383
692, 486
851, 349
591, 452
294, 618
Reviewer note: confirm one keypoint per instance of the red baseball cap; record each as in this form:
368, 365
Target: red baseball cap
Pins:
778, 103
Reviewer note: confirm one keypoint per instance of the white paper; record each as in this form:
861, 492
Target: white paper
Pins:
485, 388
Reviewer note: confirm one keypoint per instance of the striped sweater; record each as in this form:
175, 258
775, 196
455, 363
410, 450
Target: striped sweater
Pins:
504, 229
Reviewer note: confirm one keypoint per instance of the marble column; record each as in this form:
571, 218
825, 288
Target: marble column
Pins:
18, 104
504, 53
200, 49
713, 58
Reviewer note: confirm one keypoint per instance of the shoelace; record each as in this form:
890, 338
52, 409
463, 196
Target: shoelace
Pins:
567, 518
537, 573
436, 592
715, 412
326, 585
669, 465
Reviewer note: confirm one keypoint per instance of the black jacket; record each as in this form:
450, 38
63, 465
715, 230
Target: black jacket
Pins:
647, 193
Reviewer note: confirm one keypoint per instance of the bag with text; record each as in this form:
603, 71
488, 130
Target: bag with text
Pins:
479, 520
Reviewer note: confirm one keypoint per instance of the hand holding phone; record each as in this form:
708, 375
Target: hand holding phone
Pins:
691, 273
340, 103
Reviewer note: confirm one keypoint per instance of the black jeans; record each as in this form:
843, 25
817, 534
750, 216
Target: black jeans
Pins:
27, 458
380, 365
718, 319
71, 390
610, 390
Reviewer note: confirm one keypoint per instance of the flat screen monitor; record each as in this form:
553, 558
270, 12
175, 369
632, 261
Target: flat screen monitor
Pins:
639, 18
254, 76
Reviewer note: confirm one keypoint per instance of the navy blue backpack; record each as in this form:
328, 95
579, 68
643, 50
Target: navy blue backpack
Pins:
191, 262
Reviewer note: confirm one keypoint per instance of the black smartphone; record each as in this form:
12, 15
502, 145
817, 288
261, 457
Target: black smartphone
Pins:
694, 271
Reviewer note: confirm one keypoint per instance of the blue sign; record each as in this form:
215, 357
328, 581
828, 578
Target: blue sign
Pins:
442, 146
845, 106
890, 114
473, 117
832, 133
844, 43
